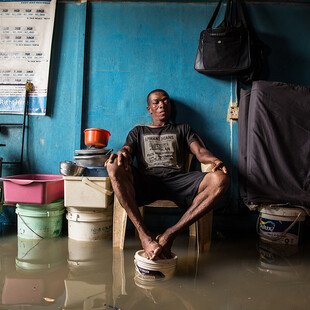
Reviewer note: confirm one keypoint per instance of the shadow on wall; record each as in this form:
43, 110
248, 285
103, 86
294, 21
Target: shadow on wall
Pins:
55, 60
183, 113
283, 62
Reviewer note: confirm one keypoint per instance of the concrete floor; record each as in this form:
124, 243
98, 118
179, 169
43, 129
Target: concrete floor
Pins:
238, 273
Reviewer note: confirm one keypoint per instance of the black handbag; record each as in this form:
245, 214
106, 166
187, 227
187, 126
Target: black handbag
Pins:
226, 49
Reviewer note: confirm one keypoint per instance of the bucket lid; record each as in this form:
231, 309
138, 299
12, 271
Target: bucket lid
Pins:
106, 211
37, 212
55, 205
89, 216
139, 257
93, 179
283, 211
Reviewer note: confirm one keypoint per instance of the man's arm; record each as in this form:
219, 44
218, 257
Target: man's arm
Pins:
204, 156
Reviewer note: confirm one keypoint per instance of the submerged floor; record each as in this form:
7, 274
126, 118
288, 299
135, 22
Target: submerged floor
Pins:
238, 273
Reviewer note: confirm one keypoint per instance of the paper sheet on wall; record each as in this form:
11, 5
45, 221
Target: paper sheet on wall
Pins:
26, 30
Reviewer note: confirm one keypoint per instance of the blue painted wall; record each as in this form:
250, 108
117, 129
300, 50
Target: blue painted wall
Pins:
108, 55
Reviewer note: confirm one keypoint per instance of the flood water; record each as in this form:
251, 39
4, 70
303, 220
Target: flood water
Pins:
237, 273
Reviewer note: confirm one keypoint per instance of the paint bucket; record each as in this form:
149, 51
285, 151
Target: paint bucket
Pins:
160, 269
281, 225
86, 224
40, 221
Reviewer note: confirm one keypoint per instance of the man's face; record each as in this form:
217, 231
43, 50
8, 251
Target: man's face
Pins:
159, 107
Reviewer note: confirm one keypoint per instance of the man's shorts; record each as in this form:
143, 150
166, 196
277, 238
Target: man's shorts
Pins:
181, 188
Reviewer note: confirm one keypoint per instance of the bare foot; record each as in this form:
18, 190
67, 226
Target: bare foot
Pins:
152, 249
166, 245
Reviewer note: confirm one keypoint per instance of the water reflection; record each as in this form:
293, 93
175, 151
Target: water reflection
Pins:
39, 273
145, 292
236, 274
89, 282
162, 294
40, 254
280, 261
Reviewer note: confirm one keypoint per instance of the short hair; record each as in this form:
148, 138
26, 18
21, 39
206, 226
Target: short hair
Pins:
158, 90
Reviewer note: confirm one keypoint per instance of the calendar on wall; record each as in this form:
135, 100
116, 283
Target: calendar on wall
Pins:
26, 31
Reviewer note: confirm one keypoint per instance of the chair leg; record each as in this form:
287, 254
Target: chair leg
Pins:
118, 272
119, 225
205, 232
193, 230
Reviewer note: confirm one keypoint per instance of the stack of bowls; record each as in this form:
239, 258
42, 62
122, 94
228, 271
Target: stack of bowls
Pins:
92, 157
89, 161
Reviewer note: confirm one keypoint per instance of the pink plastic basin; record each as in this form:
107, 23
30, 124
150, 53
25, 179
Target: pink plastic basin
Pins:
33, 188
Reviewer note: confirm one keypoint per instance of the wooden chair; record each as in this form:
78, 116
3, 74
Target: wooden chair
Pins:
201, 230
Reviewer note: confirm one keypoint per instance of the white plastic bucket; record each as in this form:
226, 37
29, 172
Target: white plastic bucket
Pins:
281, 225
39, 221
89, 224
161, 269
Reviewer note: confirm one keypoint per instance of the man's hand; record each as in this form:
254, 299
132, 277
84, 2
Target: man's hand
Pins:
206, 157
219, 165
123, 158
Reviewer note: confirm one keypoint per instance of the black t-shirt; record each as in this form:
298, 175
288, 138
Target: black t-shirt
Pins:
161, 150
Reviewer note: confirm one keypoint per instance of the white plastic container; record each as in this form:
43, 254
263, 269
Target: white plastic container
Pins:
89, 224
161, 269
88, 192
281, 224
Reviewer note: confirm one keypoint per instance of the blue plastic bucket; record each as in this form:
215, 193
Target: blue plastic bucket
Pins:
40, 221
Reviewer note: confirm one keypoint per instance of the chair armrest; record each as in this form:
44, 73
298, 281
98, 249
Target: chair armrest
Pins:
206, 167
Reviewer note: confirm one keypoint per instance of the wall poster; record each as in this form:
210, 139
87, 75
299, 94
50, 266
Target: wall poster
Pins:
26, 31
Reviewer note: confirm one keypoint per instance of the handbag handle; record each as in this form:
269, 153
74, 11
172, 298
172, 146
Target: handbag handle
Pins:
240, 7
215, 13
234, 11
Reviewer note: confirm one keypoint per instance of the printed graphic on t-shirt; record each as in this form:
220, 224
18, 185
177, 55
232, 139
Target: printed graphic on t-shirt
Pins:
160, 151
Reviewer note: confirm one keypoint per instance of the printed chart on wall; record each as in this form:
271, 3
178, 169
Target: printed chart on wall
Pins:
26, 31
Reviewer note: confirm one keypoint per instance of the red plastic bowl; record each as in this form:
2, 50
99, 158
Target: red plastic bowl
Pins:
96, 137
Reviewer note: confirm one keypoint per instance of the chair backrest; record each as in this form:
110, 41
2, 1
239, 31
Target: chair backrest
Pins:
204, 167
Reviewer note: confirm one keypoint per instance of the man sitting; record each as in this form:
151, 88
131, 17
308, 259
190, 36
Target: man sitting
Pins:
162, 150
